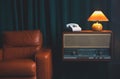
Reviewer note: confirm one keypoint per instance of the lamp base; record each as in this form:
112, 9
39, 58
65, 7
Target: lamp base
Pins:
97, 26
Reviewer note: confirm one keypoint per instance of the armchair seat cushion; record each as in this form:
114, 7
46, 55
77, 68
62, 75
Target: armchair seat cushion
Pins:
18, 68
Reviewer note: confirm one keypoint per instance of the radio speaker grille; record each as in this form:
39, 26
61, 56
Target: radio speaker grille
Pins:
86, 40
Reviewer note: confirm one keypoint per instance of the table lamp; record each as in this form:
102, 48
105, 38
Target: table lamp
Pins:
97, 16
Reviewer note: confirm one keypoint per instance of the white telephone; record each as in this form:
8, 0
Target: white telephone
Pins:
75, 27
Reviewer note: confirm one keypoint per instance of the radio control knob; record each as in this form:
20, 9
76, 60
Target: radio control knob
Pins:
73, 53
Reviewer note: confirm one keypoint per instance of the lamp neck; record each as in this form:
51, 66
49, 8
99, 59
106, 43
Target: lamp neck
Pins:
97, 22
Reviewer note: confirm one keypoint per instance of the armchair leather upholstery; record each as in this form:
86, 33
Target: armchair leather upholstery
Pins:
23, 57
1, 55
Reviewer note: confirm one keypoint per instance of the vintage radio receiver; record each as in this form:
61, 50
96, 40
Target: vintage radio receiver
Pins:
87, 45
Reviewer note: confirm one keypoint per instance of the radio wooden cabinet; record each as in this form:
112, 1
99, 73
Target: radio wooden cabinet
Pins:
87, 45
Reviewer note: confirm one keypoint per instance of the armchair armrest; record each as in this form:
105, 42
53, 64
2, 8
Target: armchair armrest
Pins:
1, 54
44, 64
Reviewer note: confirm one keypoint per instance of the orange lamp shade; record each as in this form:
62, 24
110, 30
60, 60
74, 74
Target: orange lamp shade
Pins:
98, 16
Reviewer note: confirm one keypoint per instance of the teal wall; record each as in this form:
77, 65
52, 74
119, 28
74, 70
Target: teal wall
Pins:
55, 14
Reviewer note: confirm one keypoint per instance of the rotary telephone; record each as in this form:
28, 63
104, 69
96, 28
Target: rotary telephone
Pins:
75, 27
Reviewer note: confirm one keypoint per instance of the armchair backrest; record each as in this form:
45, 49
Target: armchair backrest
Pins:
21, 44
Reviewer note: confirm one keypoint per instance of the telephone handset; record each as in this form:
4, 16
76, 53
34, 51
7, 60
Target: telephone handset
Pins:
74, 27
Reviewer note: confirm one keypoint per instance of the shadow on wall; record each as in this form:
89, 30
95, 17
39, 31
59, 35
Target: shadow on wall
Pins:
1, 40
115, 20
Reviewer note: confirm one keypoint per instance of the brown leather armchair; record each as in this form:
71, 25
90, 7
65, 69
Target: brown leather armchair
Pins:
22, 56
